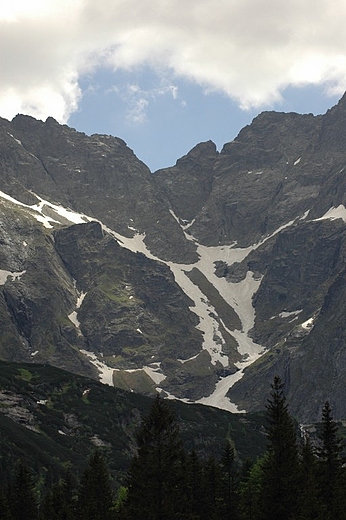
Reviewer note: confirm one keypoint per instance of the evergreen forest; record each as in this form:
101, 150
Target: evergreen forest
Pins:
296, 478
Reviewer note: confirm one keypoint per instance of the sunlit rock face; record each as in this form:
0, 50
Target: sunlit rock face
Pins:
201, 281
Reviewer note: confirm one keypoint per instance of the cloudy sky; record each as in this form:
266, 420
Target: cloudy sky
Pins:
167, 74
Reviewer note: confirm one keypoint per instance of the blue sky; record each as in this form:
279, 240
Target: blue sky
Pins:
166, 74
158, 125
161, 128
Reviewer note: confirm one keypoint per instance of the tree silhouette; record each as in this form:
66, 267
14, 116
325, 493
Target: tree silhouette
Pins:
155, 477
95, 498
331, 472
280, 474
22, 499
310, 504
230, 496
59, 502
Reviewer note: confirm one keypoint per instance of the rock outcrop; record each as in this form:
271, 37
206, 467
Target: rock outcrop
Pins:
181, 280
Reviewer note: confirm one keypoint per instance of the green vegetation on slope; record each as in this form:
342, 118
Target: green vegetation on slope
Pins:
56, 419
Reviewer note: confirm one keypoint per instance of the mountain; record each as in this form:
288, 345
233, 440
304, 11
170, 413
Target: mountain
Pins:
202, 280
56, 419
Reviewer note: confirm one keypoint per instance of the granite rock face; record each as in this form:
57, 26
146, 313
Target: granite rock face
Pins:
98, 175
132, 309
202, 280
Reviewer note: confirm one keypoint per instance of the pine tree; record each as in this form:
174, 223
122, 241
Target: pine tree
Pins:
230, 496
331, 472
120, 501
95, 497
22, 499
194, 495
214, 500
250, 490
280, 474
310, 505
5, 513
59, 502
156, 480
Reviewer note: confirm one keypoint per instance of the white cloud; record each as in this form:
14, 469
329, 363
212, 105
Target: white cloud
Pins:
138, 99
137, 111
249, 50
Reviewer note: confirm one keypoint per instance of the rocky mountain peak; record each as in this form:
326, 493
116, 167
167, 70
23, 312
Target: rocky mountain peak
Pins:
202, 280
200, 153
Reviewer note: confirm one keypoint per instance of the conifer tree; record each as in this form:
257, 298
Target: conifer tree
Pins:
214, 500
280, 484
194, 495
5, 513
331, 472
51, 504
155, 480
230, 496
211, 491
310, 505
22, 499
250, 491
120, 501
95, 497
59, 502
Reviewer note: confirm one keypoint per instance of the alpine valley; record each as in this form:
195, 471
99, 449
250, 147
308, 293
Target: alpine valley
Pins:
201, 281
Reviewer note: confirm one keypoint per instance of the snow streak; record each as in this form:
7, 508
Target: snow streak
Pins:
236, 295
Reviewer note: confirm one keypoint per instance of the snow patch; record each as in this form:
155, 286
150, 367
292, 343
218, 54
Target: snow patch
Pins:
44, 220
37, 211
218, 398
174, 216
5, 275
334, 213
305, 215
155, 373
80, 299
17, 140
106, 372
204, 311
71, 216
284, 226
11, 199
237, 295
287, 314
187, 225
308, 324
182, 361
183, 223
73, 316
135, 244
152, 371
